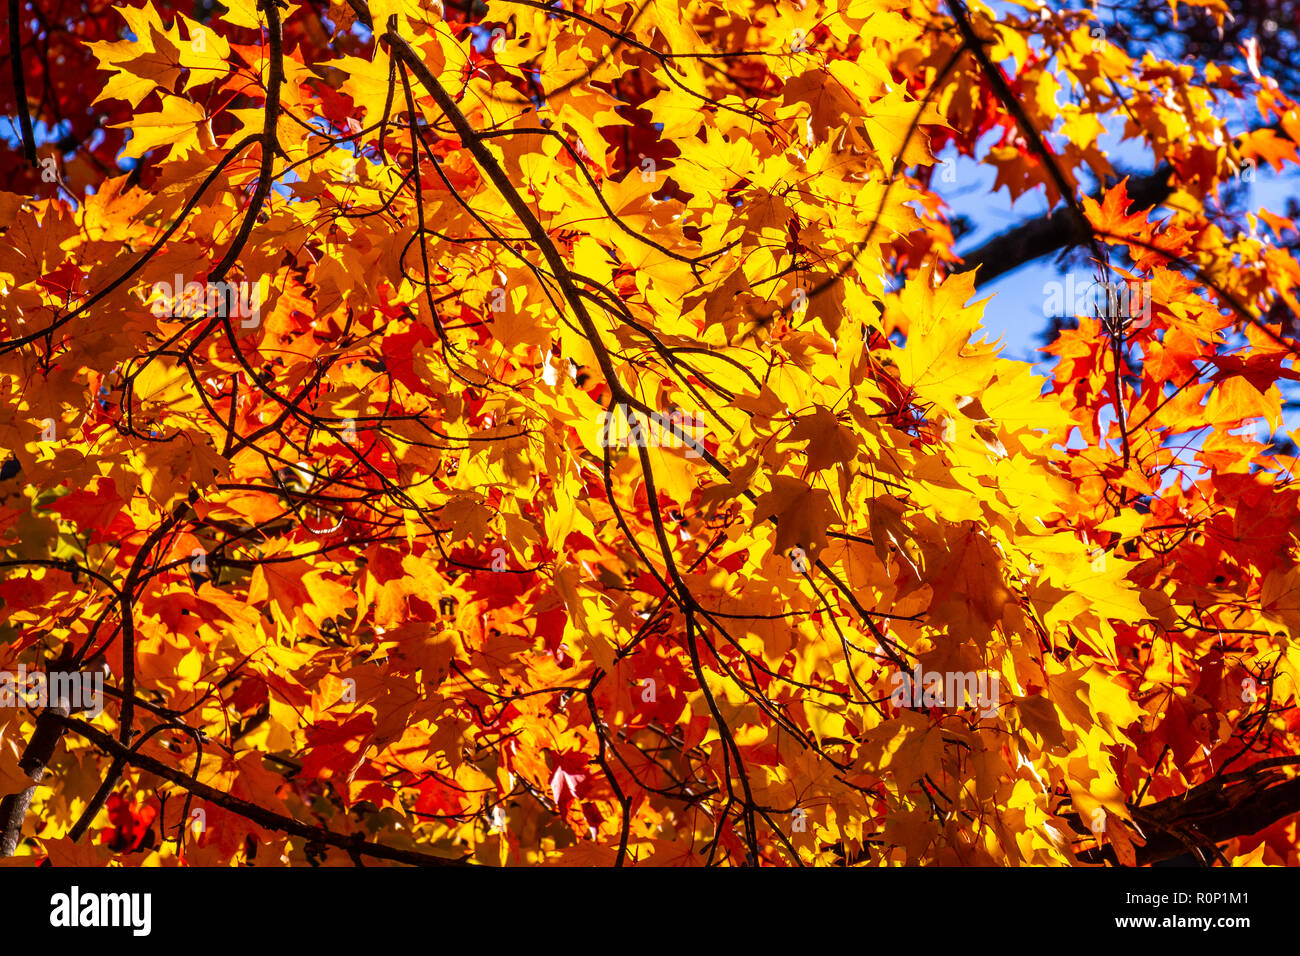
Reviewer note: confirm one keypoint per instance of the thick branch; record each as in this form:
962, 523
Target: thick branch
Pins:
267, 819
36, 756
1042, 236
1057, 230
1211, 813
20, 80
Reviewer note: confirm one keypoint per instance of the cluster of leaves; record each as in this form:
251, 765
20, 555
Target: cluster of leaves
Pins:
1263, 31
367, 577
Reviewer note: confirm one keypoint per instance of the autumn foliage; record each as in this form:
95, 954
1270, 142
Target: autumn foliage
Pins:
535, 433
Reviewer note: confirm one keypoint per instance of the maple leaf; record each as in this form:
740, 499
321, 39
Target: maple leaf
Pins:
802, 513
182, 125
829, 442
1111, 215
570, 779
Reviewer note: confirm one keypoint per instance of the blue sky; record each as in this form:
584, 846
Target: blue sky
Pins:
1016, 313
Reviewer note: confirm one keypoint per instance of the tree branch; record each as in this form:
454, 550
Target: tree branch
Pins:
1057, 230
263, 817
36, 756
20, 81
1208, 814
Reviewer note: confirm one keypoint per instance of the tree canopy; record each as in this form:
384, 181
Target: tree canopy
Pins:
565, 433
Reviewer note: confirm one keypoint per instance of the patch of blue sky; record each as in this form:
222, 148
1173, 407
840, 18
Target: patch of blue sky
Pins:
1017, 313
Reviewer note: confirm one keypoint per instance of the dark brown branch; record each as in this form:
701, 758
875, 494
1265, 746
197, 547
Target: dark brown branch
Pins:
20, 81
36, 756
1211, 813
1009, 101
1042, 236
1057, 230
263, 817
